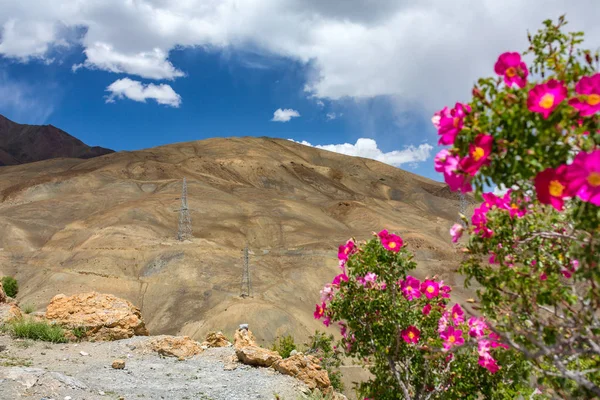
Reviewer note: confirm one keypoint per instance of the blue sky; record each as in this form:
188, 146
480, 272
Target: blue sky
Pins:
136, 74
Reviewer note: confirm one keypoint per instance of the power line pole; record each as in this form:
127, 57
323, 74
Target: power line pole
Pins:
184, 230
246, 285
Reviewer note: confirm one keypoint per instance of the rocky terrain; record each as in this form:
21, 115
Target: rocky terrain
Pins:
20, 144
109, 224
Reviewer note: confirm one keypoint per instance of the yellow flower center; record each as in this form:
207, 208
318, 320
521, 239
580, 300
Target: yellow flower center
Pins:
411, 335
594, 179
547, 101
392, 245
514, 206
452, 339
455, 122
510, 72
346, 250
477, 153
556, 188
593, 99
430, 289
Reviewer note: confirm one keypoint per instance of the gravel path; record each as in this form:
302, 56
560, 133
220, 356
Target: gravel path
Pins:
37, 370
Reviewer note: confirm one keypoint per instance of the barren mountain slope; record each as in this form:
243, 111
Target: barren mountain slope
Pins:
20, 144
109, 224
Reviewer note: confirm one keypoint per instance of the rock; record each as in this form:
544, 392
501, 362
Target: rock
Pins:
257, 356
216, 340
175, 346
103, 316
9, 312
243, 338
3, 296
306, 369
293, 352
83, 353
118, 364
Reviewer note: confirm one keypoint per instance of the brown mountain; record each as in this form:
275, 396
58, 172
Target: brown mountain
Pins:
21, 144
109, 224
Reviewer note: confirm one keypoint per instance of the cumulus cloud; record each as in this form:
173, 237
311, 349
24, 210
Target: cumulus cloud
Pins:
137, 91
284, 115
368, 148
331, 116
430, 51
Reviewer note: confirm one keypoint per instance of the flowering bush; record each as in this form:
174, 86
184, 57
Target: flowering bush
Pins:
535, 250
414, 341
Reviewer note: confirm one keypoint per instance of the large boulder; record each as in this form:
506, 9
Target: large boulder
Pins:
175, 346
102, 316
257, 356
243, 338
306, 369
216, 339
9, 312
3, 296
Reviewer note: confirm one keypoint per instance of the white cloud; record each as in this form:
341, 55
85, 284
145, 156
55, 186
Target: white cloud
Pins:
25, 103
137, 91
368, 148
429, 51
284, 115
331, 116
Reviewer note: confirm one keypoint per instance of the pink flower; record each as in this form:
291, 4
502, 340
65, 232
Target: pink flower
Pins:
346, 250
430, 288
343, 329
583, 177
477, 327
327, 321
339, 278
458, 315
512, 68
448, 165
551, 185
410, 288
452, 337
370, 277
495, 341
450, 122
443, 322
588, 101
445, 289
327, 293
383, 286
361, 280
411, 334
479, 222
489, 363
483, 347
426, 309
491, 201
456, 232
544, 98
390, 241
479, 153
492, 259
320, 311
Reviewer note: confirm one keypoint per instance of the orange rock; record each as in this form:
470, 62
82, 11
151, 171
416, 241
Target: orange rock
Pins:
3, 296
306, 369
243, 338
216, 340
181, 347
103, 316
9, 312
257, 356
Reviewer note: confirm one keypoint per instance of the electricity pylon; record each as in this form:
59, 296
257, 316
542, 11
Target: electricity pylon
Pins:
246, 285
184, 230
462, 207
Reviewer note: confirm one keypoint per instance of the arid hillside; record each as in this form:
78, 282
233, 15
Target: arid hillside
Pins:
21, 144
109, 224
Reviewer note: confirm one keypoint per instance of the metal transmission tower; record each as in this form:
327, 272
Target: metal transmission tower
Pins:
184, 230
246, 285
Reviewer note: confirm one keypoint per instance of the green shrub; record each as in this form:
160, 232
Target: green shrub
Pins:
284, 346
28, 308
11, 287
36, 330
321, 346
79, 332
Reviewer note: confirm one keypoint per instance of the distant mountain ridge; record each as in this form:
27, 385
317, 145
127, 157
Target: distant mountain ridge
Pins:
22, 144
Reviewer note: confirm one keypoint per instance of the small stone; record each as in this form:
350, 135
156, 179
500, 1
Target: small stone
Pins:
42, 353
101, 393
83, 353
118, 364
68, 397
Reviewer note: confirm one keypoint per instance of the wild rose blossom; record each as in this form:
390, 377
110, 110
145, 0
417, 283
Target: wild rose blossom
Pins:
489, 363
411, 334
320, 311
477, 327
339, 278
510, 66
426, 309
327, 293
479, 153
430, 288
345, 250
448, 164
588, 101
545, 97
327, 321
458, 315
390, 241
445, 291
479, 222
450, 122
410, 288
583, 177
452, 337
551, 186
456, 232
443, 321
